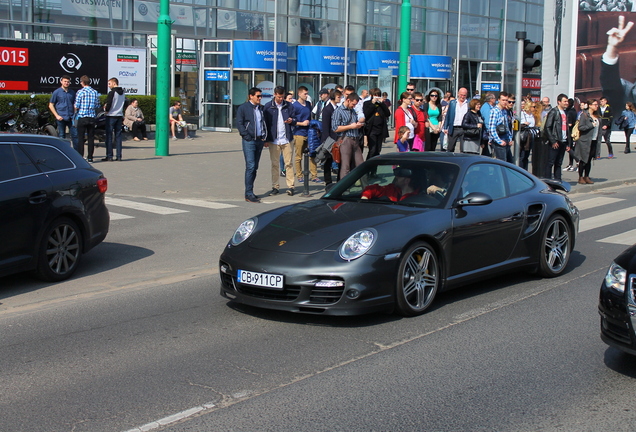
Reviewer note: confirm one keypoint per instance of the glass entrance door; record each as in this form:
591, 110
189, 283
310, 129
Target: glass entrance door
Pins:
215, 81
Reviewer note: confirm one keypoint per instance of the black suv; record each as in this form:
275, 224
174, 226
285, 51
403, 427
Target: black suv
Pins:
52, 206
617, 304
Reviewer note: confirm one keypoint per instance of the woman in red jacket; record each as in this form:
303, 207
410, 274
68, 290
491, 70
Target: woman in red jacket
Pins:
405, 116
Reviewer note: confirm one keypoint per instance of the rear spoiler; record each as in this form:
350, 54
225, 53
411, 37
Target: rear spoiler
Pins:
557, 185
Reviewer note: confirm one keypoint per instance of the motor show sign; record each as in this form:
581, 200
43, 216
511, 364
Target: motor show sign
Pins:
36, 67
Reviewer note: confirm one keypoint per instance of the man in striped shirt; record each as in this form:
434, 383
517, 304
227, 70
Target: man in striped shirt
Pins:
86, 102
345, 123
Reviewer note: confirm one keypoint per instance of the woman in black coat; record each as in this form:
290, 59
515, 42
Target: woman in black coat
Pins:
473, 125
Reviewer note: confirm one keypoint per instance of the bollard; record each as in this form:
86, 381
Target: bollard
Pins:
306, 172
540, 154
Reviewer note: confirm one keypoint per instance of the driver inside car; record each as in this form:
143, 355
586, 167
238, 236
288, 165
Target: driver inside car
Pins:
403, 186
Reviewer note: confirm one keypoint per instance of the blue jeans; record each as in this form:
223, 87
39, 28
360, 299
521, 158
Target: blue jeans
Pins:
61, 130
252, 152
113, 124
502, 152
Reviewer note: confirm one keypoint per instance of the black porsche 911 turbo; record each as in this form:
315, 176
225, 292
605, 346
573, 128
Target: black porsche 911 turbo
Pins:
397, 230
617, 303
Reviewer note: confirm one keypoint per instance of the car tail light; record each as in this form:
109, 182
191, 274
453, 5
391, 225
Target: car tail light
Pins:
102, 184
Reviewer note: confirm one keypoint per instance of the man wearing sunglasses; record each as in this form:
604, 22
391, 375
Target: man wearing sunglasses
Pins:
250, 123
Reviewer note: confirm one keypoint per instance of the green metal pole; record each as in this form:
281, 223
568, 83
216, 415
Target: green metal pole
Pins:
405, 45
164, 25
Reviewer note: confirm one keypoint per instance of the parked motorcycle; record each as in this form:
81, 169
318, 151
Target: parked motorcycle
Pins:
7, 122
32, 121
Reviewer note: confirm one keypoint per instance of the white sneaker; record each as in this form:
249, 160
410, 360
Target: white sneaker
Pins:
568, 168
174, 138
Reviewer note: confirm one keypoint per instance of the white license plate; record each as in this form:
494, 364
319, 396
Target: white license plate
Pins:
260, 279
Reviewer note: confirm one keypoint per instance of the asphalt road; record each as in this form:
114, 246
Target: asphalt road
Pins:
141, 340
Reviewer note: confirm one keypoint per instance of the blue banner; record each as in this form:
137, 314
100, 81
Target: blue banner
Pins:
431, 67
368, 62
320, 59
253, 55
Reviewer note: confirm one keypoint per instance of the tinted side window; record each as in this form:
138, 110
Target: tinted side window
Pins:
486, 178
14, 163
48, 158
517, 182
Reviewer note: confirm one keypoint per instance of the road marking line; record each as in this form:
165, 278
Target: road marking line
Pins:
627, 238
173, 418
196, 203
596, 202
151, 208
118, 216
607, 219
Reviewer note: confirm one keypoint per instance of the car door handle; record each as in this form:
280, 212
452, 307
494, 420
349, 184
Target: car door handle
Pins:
37, 197
514, 217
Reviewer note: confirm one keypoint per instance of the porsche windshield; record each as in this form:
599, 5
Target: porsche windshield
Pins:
409, 183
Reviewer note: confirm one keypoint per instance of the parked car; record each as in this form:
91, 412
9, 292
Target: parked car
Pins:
396, 231
617, 303
52, 208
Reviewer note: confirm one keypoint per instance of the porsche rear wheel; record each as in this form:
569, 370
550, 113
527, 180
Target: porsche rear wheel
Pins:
418, 279
556, 244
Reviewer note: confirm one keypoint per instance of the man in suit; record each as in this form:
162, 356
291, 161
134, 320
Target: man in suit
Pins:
456, 111
250, 122
616, 89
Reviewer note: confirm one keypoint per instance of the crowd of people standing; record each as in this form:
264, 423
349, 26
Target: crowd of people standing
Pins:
484, 124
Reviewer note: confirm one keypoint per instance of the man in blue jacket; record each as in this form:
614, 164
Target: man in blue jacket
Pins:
457, 109
250, 122
279, 118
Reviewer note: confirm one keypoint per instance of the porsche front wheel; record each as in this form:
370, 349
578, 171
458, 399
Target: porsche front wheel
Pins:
556, 244
418, 279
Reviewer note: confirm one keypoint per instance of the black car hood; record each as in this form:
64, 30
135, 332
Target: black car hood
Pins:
316, 225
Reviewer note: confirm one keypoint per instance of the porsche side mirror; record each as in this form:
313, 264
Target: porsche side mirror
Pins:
474, 198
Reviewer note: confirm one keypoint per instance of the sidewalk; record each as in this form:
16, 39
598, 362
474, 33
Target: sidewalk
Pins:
212, 167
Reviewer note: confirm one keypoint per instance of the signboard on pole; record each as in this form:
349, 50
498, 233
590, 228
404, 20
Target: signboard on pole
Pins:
128, 65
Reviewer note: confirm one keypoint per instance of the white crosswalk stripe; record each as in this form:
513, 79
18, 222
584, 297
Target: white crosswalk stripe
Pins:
160, 209
151, 208
587, 224
596, 202
627, 238
119, 216
196, 203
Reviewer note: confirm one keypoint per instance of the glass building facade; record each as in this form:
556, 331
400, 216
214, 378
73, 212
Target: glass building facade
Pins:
470, 32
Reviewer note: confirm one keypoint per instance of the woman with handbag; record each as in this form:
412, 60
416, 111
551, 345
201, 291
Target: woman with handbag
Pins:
529, 122
405, 116
590, 131
433, 125
472, 124
134, 120
630, 117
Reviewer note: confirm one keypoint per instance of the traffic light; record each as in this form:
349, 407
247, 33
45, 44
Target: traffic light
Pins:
529, 50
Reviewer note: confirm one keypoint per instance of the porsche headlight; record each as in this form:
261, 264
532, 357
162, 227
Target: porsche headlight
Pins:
616, 278
243, 232
358, 244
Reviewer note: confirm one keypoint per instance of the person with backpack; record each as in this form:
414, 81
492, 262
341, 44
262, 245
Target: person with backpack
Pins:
114, 108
